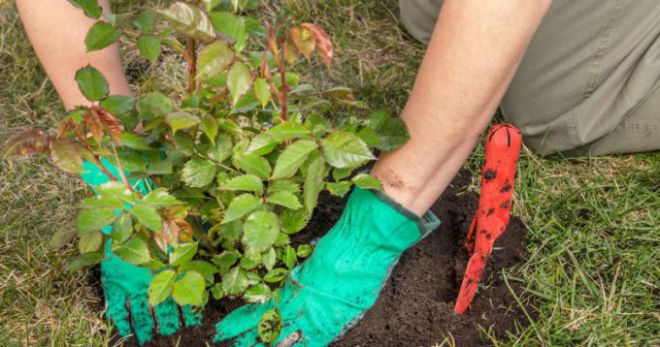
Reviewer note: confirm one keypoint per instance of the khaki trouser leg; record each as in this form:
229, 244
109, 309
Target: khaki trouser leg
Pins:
589, 81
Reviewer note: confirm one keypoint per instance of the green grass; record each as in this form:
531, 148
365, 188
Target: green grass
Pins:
594, 222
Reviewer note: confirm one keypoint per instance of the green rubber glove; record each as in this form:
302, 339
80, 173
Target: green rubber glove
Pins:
125, 285
332, 290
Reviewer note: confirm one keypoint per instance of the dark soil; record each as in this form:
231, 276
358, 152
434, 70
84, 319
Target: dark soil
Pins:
416, 305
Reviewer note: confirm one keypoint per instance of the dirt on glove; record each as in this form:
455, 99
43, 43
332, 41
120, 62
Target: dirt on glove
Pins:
416, 305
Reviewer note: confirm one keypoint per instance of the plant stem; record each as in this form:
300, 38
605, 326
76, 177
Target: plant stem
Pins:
192, 65
284, 98
121, 170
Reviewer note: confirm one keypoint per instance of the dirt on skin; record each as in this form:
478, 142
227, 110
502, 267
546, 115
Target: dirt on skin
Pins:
416, 305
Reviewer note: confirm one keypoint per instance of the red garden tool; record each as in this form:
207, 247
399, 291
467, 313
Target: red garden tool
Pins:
492, 218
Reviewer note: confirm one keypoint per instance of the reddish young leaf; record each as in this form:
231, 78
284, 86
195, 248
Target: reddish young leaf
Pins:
323, 42
303, 39
112, 125
94, 125
272, 45
25, 143
289, 51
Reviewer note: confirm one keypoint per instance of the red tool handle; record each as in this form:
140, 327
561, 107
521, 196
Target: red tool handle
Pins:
502, 151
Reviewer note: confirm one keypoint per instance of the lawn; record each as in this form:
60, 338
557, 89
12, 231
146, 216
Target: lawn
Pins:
594, 223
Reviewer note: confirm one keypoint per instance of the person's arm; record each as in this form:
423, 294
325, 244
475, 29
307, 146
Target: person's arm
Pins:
473, 55
57, 33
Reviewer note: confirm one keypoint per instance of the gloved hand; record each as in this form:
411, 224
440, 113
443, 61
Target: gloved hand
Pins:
333, 289
125, 285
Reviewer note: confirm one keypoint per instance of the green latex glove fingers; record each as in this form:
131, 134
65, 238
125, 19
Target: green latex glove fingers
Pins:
116, 309
167, 316
125, 285
143, 322
332, 290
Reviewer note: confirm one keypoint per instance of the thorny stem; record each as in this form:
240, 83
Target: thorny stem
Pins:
284, 96
192, 65
121, 170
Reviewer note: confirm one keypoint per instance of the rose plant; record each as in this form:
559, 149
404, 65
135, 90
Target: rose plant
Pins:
234, 165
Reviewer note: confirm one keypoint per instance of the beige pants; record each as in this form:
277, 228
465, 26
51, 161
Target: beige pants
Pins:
590, 80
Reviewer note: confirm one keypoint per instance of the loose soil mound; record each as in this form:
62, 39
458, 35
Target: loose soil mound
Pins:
416, 305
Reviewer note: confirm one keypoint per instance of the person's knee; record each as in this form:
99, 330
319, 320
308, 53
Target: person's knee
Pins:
419, 17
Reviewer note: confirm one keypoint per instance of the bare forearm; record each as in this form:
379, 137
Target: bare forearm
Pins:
57, 33
471, 59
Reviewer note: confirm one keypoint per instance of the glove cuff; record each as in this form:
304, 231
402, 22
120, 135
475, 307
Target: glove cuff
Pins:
427, 223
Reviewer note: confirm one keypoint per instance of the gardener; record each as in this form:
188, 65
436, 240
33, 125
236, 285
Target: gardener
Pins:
577, 77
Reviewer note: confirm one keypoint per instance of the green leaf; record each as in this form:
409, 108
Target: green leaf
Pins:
269, 259
160, 197
390, 132
92, 84
150, 47
101, 35
181, 120
235, 281
90, 241
160, 167
250, 260
205, 268
62, 237
135, 251
198, 172
147, 216
255, 165
211, 4
313, 183
345, 150
257, 294
286, 199
288, 130
155, 104
289, 257
189, 20
209, 126
91, 8
214, 60
226, 259
238, 81
94, 219
270, 326
231, 26
190, 289
222, 148
304, 250
161, 287
217, 291
339, 174
118, 105
83, 260
133, 141
240, 206
260, 231
145, 21
183, 253
262, 91
294, 220
283, 185
66, 156
365, 181
250, 183
292, 157
122, 229
338, 188
261, 144
276, 275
